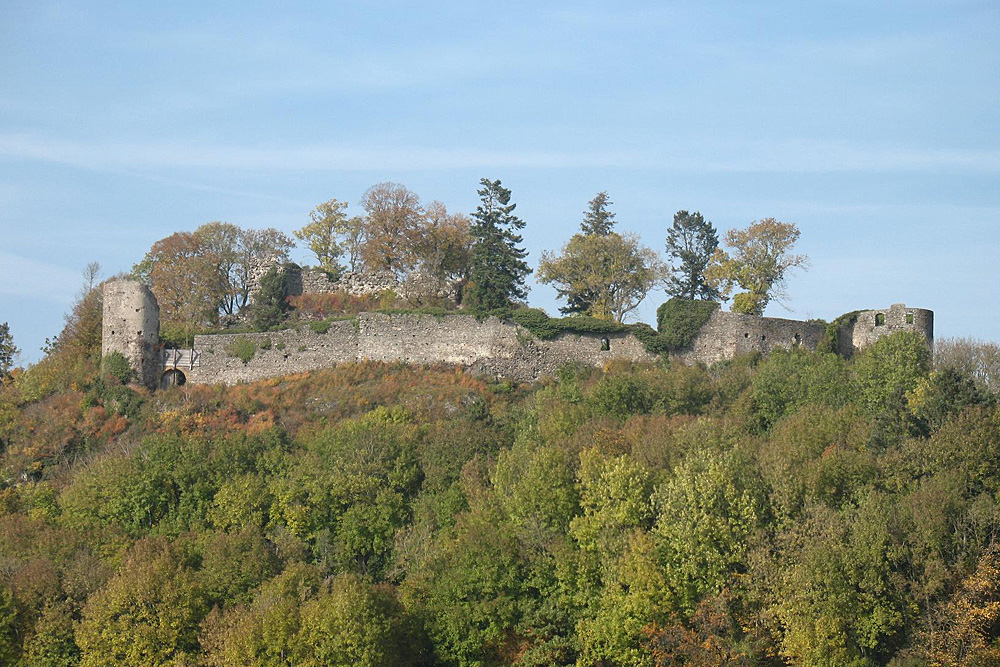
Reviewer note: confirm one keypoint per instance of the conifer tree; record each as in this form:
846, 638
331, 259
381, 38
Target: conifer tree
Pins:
691, 241
498, 269
270, 302
7, 350
597, 219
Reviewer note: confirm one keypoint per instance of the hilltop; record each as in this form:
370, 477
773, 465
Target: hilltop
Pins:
797, 506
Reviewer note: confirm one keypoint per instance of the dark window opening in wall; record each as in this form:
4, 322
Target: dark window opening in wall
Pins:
763, 337
797, 340
909, 318
746, 335
880, 319
605, 345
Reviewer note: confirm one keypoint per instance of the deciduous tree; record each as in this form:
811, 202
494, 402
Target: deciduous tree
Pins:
393, 228
185, 280
329, 233
498, 269
610, 273
761, 257
976, 358
148, 614
197, 275
445, 243
691, 242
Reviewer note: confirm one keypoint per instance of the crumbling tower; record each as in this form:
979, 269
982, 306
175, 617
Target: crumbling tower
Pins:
132, 327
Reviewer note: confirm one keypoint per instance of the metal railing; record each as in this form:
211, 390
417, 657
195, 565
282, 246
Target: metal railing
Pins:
181, 358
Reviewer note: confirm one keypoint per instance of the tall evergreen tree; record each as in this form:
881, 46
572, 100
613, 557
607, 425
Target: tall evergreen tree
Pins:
498, 269
597, 219
7, 350
691, 241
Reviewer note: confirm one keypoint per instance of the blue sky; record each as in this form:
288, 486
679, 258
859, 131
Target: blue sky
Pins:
871, 125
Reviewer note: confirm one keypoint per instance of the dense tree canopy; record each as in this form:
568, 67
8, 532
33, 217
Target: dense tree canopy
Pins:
798, 509
196, 276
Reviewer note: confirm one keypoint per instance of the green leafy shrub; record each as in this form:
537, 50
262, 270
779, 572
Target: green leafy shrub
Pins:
122, 400
536, 321
831, 334
679, 321
651, 340
623, 395
899, 360
320, 327
242, 348
117, 366
425, 310
265, 344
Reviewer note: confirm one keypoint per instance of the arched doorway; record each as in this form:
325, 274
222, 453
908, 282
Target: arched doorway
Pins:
172, 378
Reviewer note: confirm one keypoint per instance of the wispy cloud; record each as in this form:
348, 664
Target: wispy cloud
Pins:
289, 158
24, 277
712, 157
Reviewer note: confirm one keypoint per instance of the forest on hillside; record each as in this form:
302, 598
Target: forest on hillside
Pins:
795, 509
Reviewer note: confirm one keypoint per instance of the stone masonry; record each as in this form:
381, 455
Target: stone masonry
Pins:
491, 347
131, 326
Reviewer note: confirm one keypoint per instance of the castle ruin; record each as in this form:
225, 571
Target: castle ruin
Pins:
495, 347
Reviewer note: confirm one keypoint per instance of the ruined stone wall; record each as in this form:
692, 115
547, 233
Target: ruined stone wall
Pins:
415, 287
315, 281
871, 325
492, 347
277, 353
131, 326
728, 334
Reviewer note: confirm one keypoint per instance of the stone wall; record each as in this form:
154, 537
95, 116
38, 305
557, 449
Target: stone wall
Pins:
492, 347
315, 281
728, 334
131, 326
417, 286
283, 352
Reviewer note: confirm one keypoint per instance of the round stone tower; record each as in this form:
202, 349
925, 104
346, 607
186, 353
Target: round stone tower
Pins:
873, 324
132, 327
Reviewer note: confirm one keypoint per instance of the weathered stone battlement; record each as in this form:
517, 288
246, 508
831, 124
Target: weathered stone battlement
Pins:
494, 347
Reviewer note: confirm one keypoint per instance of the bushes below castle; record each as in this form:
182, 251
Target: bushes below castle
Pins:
642, 514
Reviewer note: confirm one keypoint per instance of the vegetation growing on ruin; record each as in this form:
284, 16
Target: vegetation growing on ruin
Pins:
798, 508
243, 348
834, 330
678, 321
